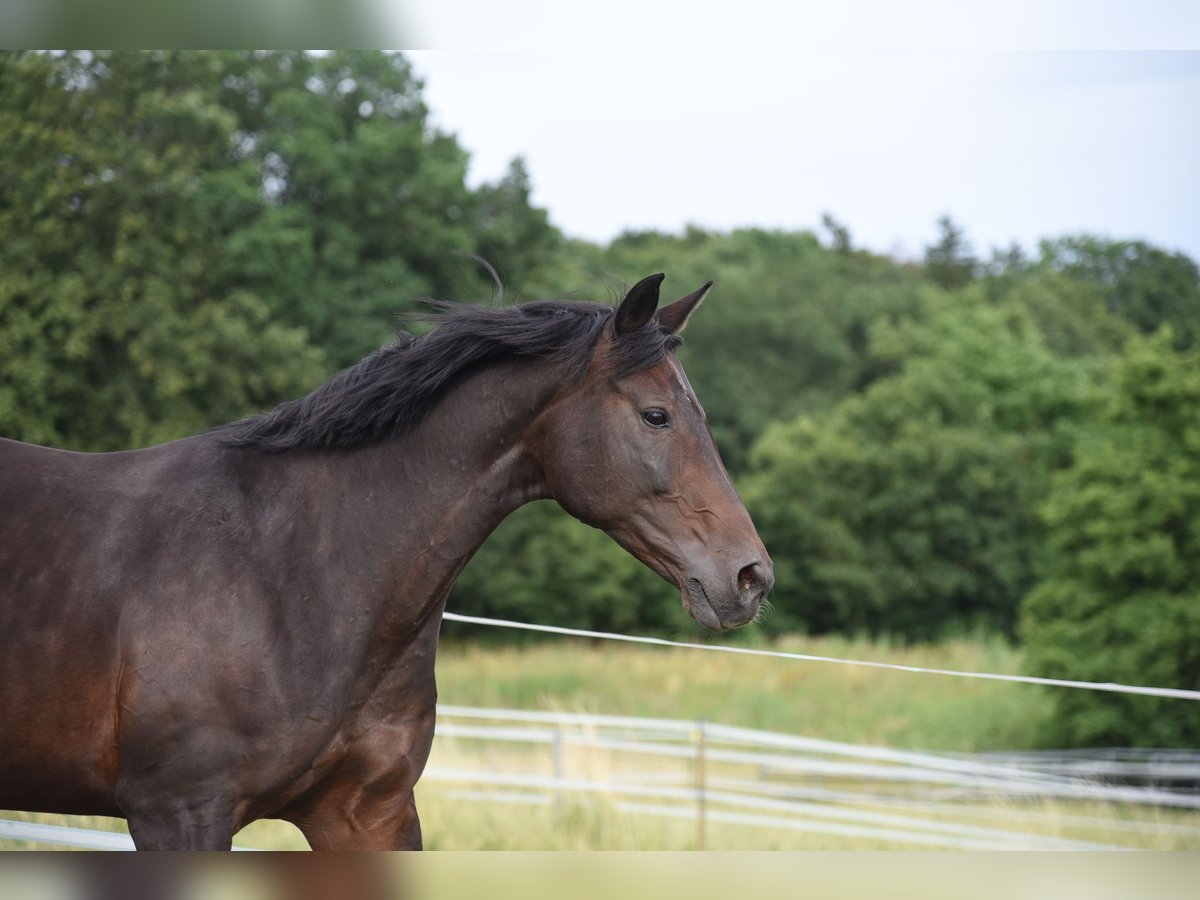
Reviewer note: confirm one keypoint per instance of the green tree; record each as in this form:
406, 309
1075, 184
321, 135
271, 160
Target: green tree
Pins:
908, 509
839, 234
1070, 313
512, 233
366, 207
1119, 597
192, 236
116, 328
949, 262
1146, 285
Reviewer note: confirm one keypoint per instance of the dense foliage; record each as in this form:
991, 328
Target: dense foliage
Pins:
186, 237
1119, 595
191, 236
907, 508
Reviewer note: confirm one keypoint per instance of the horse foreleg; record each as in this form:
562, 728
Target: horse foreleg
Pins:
367, 802
360, 823
168, 824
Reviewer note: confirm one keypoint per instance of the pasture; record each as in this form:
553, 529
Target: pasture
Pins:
884, 709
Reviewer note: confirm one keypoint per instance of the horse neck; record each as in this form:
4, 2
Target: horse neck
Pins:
417, 507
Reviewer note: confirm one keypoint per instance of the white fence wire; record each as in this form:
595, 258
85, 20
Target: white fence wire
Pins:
1107, 686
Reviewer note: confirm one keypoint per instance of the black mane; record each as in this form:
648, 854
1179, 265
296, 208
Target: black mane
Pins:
393, 390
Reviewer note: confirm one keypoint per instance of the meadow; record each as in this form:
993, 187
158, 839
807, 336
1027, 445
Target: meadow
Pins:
839, 703
861, 706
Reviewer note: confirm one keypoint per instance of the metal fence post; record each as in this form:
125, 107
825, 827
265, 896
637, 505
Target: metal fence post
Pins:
558, 774
700, 784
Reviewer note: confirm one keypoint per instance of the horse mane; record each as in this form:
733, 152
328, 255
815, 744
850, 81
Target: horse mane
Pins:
390, 392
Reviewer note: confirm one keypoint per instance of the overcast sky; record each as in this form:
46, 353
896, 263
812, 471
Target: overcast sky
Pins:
1014, 145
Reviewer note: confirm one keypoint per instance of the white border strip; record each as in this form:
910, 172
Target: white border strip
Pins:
36, 832
61, 834
1111, 687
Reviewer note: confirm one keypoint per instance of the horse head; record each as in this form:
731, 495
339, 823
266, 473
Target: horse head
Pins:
627, 449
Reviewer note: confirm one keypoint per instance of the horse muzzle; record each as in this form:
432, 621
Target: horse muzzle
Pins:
720, 605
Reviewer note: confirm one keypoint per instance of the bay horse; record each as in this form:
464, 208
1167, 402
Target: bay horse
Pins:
242, 624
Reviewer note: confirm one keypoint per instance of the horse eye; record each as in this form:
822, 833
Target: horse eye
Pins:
655, 418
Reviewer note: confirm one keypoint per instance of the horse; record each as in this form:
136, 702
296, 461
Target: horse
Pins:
242, 624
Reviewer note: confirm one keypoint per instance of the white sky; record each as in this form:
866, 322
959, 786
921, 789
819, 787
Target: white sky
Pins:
660, 130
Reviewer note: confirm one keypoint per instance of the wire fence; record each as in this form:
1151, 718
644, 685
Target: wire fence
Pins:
815, 785
1106, 686
719, 774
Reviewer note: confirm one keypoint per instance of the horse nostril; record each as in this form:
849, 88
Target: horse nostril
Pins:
750, 577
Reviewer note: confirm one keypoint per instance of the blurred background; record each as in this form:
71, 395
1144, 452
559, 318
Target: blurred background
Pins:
952, 359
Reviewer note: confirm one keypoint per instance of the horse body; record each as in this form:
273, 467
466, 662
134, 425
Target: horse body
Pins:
201, 634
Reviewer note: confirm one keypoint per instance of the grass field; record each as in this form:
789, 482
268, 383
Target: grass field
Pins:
862, 706
857, 705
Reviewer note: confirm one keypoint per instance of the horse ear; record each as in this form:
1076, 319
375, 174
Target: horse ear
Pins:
675, 316
639, 304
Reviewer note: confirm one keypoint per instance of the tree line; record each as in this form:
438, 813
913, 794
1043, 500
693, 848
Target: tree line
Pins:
1005, 442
